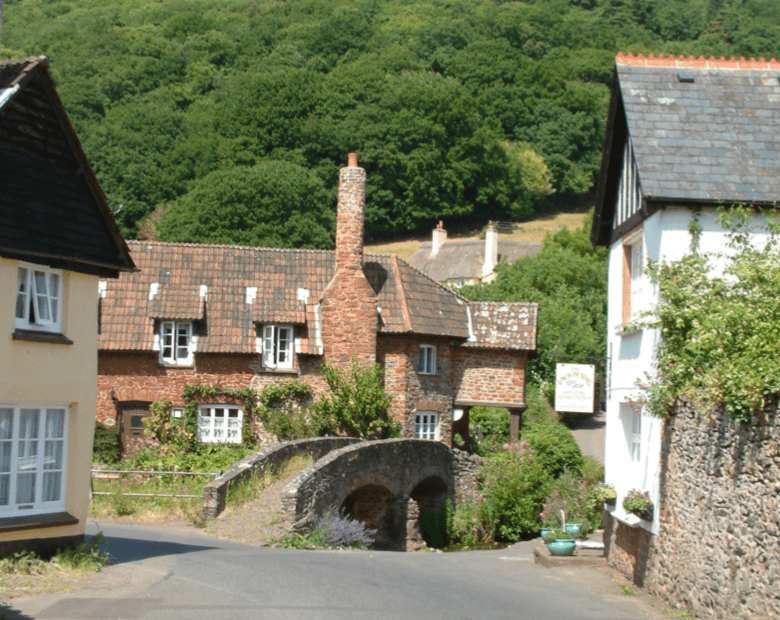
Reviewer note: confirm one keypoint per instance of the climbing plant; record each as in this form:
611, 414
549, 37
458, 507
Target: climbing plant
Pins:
719, 325
180, 435
283, 409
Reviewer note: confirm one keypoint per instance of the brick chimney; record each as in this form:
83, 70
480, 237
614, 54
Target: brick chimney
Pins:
439, 237
348, 303
350, 216
491, 250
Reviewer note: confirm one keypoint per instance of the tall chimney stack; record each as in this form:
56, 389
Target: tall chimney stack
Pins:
439, 237
350, 216
491, 250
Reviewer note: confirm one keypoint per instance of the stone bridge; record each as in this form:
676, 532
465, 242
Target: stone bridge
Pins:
390, 484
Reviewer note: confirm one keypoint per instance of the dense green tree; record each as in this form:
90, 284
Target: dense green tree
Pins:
435, 96
272, 204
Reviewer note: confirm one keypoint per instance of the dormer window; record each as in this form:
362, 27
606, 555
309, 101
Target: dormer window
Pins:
427, 359
38, 298
277, 346
176, 342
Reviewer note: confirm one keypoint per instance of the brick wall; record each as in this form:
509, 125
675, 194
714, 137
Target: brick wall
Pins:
628, 549
399, 354
138, 377
489, 375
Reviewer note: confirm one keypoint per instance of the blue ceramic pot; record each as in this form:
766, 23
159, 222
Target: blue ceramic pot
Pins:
562, 547
573, 528
546, 530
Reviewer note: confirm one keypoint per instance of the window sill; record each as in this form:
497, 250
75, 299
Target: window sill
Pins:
627, 329
278, 371
632, 521
31, 522
33, 335
428, 374
166, 365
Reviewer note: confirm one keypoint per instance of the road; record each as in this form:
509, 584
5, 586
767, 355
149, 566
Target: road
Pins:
177, 572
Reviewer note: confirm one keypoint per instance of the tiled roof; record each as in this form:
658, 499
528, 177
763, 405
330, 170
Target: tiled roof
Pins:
703, 130
464, 259
53, 210
503, 325
234, 288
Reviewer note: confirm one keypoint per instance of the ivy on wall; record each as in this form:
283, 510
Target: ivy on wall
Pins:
719, 329
180, 435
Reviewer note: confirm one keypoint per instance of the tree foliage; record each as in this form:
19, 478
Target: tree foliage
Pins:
719, 330
467, 110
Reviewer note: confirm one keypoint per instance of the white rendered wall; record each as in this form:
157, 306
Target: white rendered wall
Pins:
665, 237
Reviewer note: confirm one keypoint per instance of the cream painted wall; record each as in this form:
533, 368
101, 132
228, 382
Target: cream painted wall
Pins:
665, 237
41, 373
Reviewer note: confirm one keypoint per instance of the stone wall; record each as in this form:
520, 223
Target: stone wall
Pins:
264, 462
718, 543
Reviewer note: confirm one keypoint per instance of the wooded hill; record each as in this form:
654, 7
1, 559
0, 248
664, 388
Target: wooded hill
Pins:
232, 117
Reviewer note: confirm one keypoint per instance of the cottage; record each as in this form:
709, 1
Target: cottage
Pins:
459, 263
245, 317
57, 240
683, 137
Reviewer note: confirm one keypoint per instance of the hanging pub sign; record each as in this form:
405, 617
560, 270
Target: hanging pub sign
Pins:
575, 387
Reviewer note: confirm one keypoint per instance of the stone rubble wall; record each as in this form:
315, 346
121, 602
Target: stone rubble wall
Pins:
717, 552
266, 461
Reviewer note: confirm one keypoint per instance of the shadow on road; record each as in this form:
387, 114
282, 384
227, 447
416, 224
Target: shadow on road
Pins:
9, 613
122, 550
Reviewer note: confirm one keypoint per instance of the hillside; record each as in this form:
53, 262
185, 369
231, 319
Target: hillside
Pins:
231, 118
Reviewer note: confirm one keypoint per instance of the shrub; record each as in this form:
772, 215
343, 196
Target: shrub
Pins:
575, 498
514, 485
332, 530
495, 427
357, 402
105, 448
554, 447
472, 524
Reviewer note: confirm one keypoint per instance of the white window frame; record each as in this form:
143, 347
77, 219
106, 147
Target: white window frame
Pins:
426, 425
46, 455
214, 423
38, 309
177, 413
427, 359
278, 346
633, 277
635, 438
173, 351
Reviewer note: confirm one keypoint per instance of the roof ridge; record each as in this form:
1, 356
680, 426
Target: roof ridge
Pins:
226, 245
430, 279
691, 62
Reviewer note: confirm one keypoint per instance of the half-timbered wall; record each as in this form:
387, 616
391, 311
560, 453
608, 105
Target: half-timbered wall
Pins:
629, 194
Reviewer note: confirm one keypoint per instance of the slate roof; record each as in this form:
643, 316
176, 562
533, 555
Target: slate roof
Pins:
464, 259
52, 209
213, 284
702, 130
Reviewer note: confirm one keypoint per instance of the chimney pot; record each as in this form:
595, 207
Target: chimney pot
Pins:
352, 161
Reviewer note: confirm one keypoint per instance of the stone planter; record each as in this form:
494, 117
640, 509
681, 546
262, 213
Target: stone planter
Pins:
565, 546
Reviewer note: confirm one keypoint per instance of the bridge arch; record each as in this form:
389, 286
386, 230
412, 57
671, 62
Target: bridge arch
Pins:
385, 481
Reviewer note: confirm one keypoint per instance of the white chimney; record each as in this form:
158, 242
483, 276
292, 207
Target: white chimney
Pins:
491, 250
439, 237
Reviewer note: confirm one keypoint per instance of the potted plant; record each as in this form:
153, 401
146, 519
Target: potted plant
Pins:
560, 542
638, 503
605, 494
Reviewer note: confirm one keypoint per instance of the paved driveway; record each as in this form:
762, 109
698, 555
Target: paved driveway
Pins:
178, 572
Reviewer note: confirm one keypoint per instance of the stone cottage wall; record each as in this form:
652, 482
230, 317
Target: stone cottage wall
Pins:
718, 544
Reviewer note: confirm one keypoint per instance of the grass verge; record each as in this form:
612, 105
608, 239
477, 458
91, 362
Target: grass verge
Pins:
24, 573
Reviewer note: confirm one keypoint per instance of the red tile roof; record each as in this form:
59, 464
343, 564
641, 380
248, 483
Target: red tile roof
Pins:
230, 289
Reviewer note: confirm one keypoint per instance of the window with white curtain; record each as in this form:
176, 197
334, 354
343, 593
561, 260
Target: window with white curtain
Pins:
277, 346
32, 459
175, 342
426, 425
219, 424
427, 359
38, 298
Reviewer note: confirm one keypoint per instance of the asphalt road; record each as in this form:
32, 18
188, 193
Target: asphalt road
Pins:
177, 572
